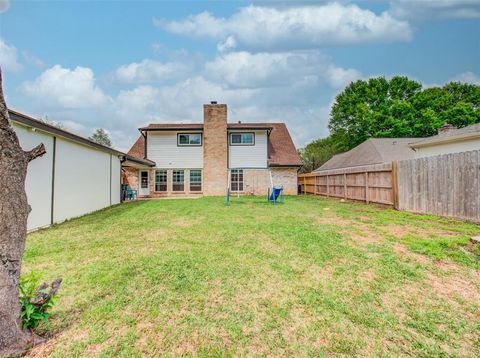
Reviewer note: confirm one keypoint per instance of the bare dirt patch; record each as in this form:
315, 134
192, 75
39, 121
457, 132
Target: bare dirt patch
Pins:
402, 251
184, 223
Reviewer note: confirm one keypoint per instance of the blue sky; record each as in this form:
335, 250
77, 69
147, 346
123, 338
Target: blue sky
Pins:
121, 64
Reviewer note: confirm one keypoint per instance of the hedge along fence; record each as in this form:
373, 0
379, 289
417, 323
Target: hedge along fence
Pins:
370, 183
445, 185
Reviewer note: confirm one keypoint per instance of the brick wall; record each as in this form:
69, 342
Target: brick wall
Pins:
286, 177
256, 181
215, 149
131, 177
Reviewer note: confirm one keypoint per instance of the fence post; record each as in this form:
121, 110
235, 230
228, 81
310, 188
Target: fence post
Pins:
345, 185
366, 187
328, 188
395, 184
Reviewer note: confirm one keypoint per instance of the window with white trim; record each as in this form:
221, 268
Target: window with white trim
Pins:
161, 180
236, 180
242, 138
189, 139
195, 180
178, 180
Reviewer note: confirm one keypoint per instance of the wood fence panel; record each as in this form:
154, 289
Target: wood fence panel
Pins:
372, 183
446, 185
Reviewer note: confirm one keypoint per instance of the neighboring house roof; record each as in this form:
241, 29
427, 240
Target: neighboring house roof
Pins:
449, 136
35, 123
372, 151
282, 151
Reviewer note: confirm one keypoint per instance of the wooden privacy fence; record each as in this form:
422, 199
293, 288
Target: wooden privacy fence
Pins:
371, 183
446, 185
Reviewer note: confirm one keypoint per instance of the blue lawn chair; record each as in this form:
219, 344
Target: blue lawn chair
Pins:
131, 194
276, 194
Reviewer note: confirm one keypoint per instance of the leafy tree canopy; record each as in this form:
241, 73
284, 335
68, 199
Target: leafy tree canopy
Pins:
101, 137
400, 108
396, 107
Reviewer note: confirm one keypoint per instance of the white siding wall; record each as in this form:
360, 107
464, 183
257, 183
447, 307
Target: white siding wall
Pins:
116, 166
447, 148
83, 181
39, 177
163, 150
249, 156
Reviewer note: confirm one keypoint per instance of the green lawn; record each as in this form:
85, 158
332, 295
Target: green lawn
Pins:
312, 277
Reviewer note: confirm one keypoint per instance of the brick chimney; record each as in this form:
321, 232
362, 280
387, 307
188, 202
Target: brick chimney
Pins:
447, 127
215, 149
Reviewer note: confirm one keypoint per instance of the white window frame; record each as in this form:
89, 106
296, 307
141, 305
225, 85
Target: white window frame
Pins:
189, 144
242, 134
178, 183
238, 182
198, 184
161, 183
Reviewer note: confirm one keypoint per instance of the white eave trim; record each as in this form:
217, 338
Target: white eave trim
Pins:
452, 139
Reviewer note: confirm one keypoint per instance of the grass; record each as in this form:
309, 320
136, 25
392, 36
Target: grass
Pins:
312, 277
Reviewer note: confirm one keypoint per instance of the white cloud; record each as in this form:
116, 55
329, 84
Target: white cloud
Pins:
228, 44
435, 9
284, 86
34, 60
148, 71
300, 27
467, 77
67, 88
4, 5
260, 70
8, 57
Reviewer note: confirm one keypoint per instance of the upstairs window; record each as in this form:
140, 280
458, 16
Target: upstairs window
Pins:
195, 180
178, 180
242, 139
189, 139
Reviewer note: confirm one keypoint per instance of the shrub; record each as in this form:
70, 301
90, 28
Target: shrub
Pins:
36, 300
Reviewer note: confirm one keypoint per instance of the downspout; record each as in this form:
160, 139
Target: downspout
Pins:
122, 160
110, 179
54, 155
268, 145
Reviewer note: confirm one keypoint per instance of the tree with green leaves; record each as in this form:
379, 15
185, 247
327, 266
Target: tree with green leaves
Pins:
317, 152
391, 108
101, 137
400, 108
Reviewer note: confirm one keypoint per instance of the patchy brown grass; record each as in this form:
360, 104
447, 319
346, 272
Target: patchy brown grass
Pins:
179, 277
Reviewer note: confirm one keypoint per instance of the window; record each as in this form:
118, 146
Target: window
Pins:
161, 180
178, 180
236, 180
186, 139
242, 139
144, 180
195, 180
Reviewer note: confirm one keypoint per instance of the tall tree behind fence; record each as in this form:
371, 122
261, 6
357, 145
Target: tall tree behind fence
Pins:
445, 185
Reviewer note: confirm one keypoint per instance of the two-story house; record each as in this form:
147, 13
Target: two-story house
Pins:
201, 158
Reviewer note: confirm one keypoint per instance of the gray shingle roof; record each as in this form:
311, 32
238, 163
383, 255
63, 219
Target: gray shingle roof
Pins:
449, 135
372, 151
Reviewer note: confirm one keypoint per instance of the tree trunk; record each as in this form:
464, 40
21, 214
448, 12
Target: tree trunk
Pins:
14, 210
